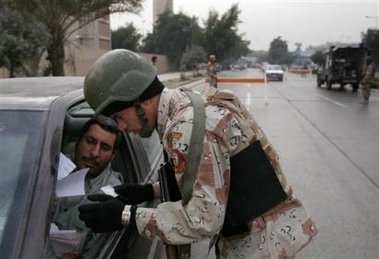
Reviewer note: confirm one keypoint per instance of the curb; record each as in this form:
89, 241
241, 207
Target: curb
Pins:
195, 83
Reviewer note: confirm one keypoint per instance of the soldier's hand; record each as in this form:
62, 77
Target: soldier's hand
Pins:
134, 193
104, 215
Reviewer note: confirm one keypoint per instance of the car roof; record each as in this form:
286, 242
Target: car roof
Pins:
36, 92
274, 66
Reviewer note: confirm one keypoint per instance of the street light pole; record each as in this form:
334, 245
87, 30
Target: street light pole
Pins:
376, 19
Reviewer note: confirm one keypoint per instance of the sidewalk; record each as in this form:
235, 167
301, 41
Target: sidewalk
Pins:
173, 80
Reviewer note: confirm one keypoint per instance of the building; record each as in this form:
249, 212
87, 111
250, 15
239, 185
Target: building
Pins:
82, 48
96, 35
160, 6
86, 45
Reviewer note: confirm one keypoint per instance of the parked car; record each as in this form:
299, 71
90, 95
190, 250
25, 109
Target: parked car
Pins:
39, 119
274, 72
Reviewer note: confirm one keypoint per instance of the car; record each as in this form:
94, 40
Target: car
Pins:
39, 119
274, 72
235, 67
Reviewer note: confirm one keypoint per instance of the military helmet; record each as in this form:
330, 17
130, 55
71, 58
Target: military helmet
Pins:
119, 75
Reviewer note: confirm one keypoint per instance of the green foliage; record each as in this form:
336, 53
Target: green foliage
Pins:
278, 52
318, 57
126, 37
371, 37
175, 34
221, 35
21, 37
62, 18
192, 56
172, 35
32, 66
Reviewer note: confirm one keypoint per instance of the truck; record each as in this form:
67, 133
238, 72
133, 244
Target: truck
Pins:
343, 65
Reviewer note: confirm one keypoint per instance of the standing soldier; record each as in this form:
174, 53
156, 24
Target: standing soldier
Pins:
154, 60
232, 148
212, 71
367, 76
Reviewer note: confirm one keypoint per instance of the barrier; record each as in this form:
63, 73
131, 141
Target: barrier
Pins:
300, 71
237, 80
264, 80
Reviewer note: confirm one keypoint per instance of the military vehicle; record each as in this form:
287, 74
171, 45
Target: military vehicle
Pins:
343, 65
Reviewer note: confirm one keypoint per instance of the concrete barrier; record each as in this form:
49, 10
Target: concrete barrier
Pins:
237, 80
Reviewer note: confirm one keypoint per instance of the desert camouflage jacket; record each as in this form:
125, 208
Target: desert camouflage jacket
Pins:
229, 129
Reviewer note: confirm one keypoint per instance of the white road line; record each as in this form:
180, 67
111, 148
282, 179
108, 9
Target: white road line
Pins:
248, 99
331, 100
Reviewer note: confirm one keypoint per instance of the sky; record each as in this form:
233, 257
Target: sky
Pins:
309, 22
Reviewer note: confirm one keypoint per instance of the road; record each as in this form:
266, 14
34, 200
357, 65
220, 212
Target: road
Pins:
329, 148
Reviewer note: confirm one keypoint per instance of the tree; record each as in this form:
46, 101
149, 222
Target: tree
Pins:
171, 36
21, 37
371, 37
62, 18
278, 52
175, 34
318, 57
221, 35
126, 37
193, 55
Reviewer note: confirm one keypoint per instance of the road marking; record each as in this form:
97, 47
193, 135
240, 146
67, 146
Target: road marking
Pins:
331, 100
248, 99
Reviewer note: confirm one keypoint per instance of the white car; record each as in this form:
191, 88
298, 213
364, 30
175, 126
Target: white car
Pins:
274, 72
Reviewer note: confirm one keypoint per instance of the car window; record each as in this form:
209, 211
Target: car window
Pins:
274, 67
131, 161
17, 157
125, 159
154, 151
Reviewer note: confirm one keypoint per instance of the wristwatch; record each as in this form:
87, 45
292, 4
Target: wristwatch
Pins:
125, 217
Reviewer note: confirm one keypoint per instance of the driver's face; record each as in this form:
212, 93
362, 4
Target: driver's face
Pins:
95, 150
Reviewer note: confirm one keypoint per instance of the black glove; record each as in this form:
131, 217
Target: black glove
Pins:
104, 215
134, 193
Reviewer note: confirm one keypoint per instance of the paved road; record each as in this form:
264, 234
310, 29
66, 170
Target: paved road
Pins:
329, 147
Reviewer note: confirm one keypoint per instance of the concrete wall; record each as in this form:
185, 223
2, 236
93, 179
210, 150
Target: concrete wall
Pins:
85, 57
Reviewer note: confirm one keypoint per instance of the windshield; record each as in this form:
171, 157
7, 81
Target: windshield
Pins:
19, 134
274, 67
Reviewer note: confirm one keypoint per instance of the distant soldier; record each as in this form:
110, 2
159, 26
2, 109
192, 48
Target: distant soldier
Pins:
154, 60
212, 71
367, 76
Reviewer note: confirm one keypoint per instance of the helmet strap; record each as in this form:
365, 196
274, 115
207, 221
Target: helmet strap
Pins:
146, 131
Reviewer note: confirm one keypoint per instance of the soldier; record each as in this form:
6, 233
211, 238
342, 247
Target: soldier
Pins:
212, 71
125, 87
367, 75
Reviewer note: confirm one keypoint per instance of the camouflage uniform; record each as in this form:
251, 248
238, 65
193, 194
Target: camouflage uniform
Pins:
367, 75
279, 233
212, 74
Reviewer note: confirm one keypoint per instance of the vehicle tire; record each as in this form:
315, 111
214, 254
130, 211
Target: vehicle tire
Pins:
319, 83
355, 87
328, 84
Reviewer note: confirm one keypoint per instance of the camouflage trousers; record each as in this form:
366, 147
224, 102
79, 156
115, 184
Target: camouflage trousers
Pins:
366, 90
213, 81
280, 233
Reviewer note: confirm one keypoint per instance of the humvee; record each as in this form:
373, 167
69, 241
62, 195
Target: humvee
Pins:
343, 65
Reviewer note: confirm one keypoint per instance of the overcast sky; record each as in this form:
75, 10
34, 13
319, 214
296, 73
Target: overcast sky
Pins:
310, 22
